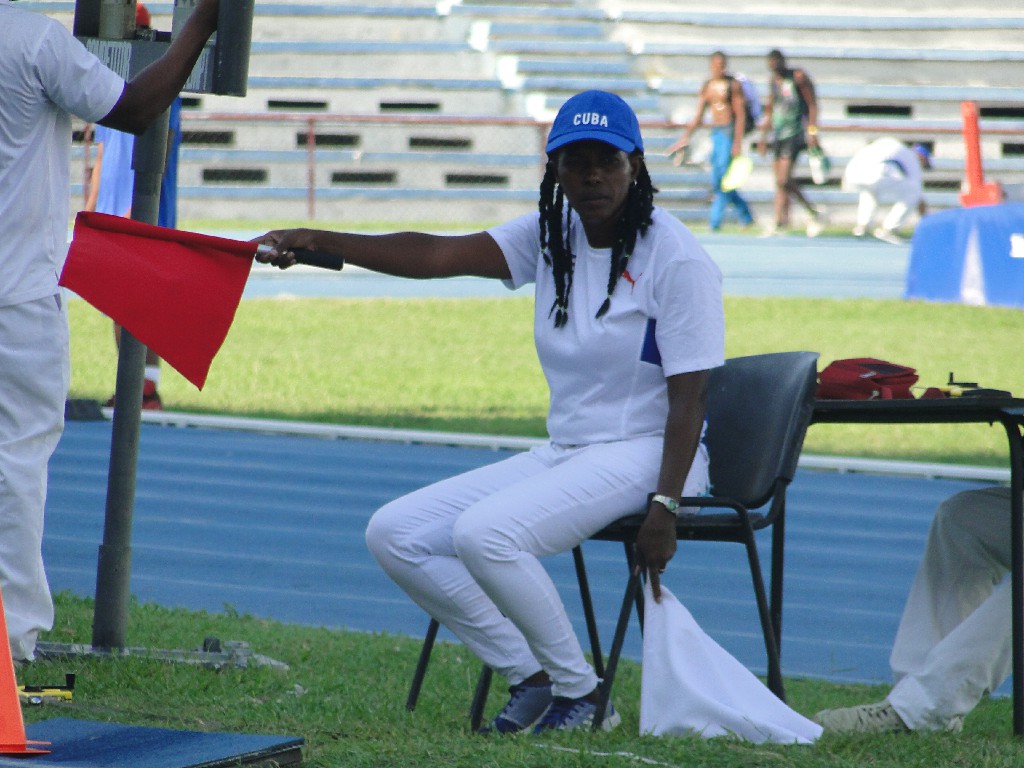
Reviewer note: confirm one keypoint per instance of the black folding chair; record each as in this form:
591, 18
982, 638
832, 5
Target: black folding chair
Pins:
759, 408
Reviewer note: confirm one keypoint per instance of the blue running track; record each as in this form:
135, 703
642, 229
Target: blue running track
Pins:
272, 525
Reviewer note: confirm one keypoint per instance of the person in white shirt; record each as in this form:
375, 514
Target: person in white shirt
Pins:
628, 323
954, 643
886, 170
46, 75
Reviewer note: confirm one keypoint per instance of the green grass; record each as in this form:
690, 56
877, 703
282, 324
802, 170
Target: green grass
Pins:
469, 364
344, 692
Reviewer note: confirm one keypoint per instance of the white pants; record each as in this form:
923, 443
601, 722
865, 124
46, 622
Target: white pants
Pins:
954, 640
467, 549
34, 378
879, 184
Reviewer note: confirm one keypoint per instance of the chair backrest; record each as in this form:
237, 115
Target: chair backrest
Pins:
759, 408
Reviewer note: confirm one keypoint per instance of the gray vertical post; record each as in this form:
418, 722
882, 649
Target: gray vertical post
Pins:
113, 576
234, 39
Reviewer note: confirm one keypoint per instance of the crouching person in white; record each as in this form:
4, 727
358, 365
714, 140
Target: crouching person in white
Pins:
886, 170
953, 644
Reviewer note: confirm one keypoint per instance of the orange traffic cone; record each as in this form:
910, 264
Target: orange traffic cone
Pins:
12, 726
975, 190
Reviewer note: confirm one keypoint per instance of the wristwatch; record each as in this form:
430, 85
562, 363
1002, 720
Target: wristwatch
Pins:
672, 505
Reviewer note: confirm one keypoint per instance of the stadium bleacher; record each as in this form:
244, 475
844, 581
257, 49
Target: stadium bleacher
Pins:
420, 68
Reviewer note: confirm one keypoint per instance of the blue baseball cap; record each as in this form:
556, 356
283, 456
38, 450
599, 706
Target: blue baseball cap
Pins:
596, 115
926, 156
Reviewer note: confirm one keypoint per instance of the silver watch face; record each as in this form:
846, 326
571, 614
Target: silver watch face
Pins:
669, 503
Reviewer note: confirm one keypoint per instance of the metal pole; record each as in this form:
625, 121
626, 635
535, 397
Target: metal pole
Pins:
113, 576
311, 169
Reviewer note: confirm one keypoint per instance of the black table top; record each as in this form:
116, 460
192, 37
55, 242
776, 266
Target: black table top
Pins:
938, 410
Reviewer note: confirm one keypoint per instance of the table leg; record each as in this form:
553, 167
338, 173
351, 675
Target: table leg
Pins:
1017, 569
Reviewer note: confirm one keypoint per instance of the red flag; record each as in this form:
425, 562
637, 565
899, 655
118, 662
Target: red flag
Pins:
176, 292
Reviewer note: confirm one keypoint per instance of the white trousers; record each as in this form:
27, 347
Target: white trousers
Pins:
880, 184
34, 379
467, 549
954, 640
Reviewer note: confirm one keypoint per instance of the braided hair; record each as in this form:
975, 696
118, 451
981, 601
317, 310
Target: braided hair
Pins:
556, 245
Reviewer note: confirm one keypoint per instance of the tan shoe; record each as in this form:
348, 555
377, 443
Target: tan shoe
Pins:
873, 718
867, 718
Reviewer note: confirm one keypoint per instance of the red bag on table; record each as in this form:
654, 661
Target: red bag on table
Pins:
865, 378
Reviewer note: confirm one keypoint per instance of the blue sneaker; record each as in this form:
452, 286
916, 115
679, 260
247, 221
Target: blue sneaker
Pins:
526, 706
566, 714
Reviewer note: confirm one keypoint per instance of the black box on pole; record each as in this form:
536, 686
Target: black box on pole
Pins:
223, 67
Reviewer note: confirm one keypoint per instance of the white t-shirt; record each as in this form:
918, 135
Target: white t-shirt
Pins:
607, 375
46, 75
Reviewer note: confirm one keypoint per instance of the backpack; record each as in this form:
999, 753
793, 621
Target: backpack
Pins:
752, 101
865, 378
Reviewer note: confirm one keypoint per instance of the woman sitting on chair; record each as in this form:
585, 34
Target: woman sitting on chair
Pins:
628, 321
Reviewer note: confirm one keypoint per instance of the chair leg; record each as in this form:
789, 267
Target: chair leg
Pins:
631, 564
483, 683
483, 687
421, 665
767, 628
778, 557
631, 598
588, 610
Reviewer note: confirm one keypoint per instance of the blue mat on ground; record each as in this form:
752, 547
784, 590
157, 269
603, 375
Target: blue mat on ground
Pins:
970, 256
89, 744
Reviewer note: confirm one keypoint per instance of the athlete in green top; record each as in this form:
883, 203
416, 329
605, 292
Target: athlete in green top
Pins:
791, 115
